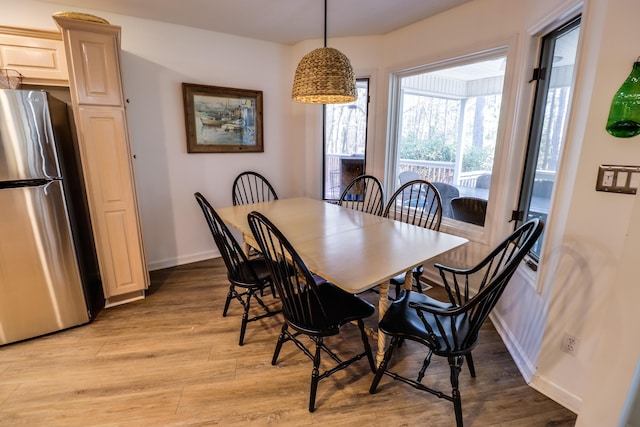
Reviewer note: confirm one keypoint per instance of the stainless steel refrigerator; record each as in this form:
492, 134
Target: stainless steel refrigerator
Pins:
49, 278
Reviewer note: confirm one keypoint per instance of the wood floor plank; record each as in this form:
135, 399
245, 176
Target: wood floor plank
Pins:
173, 360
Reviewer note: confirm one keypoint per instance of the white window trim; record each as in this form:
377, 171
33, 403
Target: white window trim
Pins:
504, 148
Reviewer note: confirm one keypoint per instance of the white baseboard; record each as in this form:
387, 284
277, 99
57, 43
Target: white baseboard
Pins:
556, 393
187, 259
528, 369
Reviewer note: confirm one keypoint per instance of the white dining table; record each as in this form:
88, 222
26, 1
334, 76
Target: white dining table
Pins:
354, 250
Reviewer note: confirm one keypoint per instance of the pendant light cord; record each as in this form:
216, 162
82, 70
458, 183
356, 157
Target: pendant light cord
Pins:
325, 23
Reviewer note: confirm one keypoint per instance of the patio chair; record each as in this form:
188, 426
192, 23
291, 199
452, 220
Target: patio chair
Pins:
447, 193
406, 176
483, 181
469, 209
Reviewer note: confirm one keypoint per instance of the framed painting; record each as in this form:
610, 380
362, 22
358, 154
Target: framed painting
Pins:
222, 119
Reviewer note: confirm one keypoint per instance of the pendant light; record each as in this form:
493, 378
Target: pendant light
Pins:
324, 76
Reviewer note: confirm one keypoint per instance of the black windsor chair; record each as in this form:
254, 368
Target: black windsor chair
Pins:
450, 329
418, 203
251, 187
317, 309
364, 194
252, 275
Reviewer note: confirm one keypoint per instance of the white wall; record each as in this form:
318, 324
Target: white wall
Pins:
156, 59
595, 283
618, 351
617, 347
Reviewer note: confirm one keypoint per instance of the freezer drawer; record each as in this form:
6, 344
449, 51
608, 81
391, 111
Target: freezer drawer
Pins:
40, 286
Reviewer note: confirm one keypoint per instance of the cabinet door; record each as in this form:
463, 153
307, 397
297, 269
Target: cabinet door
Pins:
107, 169
96, 79
35, 54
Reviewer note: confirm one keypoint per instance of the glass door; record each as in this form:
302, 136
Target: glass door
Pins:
345, 142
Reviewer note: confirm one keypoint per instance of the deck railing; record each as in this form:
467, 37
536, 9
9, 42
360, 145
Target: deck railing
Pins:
440, 172
428, 170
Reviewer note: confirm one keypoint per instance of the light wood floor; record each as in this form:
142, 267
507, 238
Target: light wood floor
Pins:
173, 360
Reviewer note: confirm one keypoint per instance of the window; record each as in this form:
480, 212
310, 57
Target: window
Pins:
446, 128
345, 141
554, 84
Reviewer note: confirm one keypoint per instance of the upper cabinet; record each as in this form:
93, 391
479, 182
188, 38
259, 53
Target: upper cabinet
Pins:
93, 55
36, 54
95, 62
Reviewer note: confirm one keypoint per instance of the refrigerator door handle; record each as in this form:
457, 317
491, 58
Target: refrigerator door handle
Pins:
46, 186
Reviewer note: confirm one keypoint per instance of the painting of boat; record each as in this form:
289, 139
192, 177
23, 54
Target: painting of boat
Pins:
222, 120
234, 125
211, 121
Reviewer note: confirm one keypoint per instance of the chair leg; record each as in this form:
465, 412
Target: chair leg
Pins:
472, 368
383, 365
245, 316
230, 296
425, 365
367, 346
273, 290
281, 339
416, 278
455, 363
315, 373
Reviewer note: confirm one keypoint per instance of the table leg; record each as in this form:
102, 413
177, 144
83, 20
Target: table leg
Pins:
383, 304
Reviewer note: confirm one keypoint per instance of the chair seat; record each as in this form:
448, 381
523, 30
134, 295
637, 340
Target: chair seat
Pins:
259, 267
403, 321
343, 308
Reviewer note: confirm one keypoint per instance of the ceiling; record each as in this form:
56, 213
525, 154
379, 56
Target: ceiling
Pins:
280, 21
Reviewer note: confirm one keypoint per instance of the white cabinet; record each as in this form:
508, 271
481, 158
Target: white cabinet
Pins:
36, 54
93, 57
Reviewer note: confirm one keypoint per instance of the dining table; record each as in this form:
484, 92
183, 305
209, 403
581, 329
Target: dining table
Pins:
354, 250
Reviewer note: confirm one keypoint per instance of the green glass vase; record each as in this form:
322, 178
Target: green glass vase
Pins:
624, 115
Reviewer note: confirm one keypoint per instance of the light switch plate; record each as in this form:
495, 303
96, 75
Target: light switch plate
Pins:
618, 179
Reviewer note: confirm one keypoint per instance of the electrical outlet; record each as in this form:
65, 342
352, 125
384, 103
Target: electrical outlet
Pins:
570, 344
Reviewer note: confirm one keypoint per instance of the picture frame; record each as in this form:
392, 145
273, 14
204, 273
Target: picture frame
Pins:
222, 120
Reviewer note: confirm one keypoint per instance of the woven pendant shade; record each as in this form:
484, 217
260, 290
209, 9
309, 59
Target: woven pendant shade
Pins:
324, 76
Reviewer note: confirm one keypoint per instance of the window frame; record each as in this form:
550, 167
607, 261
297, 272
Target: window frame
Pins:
536, 124
476, 233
